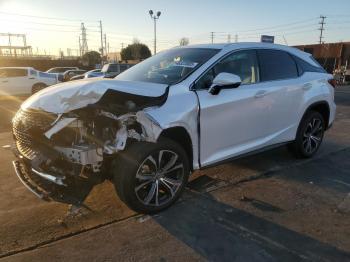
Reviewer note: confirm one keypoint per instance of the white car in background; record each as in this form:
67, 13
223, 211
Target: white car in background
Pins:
24, 80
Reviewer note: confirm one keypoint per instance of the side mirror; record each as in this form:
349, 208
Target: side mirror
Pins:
224, 81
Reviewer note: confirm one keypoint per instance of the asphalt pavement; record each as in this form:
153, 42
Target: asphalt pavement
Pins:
267, 207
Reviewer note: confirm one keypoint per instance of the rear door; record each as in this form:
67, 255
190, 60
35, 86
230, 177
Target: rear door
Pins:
284, 93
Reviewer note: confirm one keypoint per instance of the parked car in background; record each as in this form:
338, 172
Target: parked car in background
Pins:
93, 73
89, 74
347, 77
24, 80
66, 76
112, 70
60, 70
235, 99
77, 77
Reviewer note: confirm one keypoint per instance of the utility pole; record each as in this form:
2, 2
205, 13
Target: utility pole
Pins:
84, 45
236, 38
80, 54
322, 23
101, 33
229, 38
105, 44
10, 44
212, 37
155, 18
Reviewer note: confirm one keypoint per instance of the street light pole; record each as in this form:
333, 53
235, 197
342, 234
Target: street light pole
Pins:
155, 17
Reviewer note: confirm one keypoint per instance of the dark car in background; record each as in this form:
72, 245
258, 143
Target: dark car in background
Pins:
67, 75
93, 73
88, 74
112, 70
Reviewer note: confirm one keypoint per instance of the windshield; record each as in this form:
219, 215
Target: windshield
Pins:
108, 68
168, 67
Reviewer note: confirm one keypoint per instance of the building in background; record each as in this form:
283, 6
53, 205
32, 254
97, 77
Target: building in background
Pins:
331, 56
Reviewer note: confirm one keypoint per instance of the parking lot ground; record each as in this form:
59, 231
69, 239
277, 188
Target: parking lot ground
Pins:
267, 207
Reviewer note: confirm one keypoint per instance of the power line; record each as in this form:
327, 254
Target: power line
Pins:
281, 30
51, 30
278, 26
37, 23
43, 17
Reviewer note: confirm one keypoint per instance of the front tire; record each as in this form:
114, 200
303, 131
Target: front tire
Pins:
309, 135
149, 177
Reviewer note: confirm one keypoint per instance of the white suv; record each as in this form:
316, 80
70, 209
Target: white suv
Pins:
181, 110
24, 80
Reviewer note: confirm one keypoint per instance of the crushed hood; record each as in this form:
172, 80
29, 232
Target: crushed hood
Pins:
69, 96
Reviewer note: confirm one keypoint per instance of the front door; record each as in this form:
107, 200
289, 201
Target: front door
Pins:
16, 82
234, 121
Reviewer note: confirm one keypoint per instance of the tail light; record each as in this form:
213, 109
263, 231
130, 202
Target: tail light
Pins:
332, 82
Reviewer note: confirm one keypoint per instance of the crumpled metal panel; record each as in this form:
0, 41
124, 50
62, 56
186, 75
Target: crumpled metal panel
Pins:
69, 96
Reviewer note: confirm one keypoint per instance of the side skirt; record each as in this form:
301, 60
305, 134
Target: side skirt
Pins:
254, 152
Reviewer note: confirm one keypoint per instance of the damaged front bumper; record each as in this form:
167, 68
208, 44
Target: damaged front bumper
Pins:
28, 182
67, 173
49, 187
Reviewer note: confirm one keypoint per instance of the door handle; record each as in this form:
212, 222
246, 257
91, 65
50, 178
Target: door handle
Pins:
5, 81
260, 93
31, 77
307, 86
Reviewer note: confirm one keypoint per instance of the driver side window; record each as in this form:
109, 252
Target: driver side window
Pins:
241, 63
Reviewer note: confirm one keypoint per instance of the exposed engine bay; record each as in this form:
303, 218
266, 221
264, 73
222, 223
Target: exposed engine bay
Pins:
59, 153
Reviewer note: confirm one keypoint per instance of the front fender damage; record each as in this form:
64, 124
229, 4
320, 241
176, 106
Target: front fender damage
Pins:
150, 130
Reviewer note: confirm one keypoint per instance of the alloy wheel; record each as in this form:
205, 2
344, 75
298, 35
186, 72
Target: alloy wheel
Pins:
159, 178
312, 136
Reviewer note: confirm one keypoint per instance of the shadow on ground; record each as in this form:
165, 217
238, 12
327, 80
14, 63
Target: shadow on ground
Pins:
220, 232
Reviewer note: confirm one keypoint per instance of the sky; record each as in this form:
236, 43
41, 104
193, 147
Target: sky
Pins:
51, 25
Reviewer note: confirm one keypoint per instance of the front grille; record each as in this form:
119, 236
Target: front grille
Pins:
28, 126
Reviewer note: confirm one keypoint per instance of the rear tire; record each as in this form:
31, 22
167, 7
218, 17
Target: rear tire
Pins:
37, 87
309, 135
149, 177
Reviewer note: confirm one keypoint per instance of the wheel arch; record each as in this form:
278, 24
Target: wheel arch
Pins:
38, 84
181, 136
321, 107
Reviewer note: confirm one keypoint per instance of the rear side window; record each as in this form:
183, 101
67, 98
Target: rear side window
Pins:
113, 68
32, 72
304, 66
14, 72
123, 67
276, 65
47, 75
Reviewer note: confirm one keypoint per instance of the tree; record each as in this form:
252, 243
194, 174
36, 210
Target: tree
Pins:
184, 41
91, 58
135, 51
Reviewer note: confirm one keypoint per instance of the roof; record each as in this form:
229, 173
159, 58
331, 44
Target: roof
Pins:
227, 47
16, 67
240, 45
